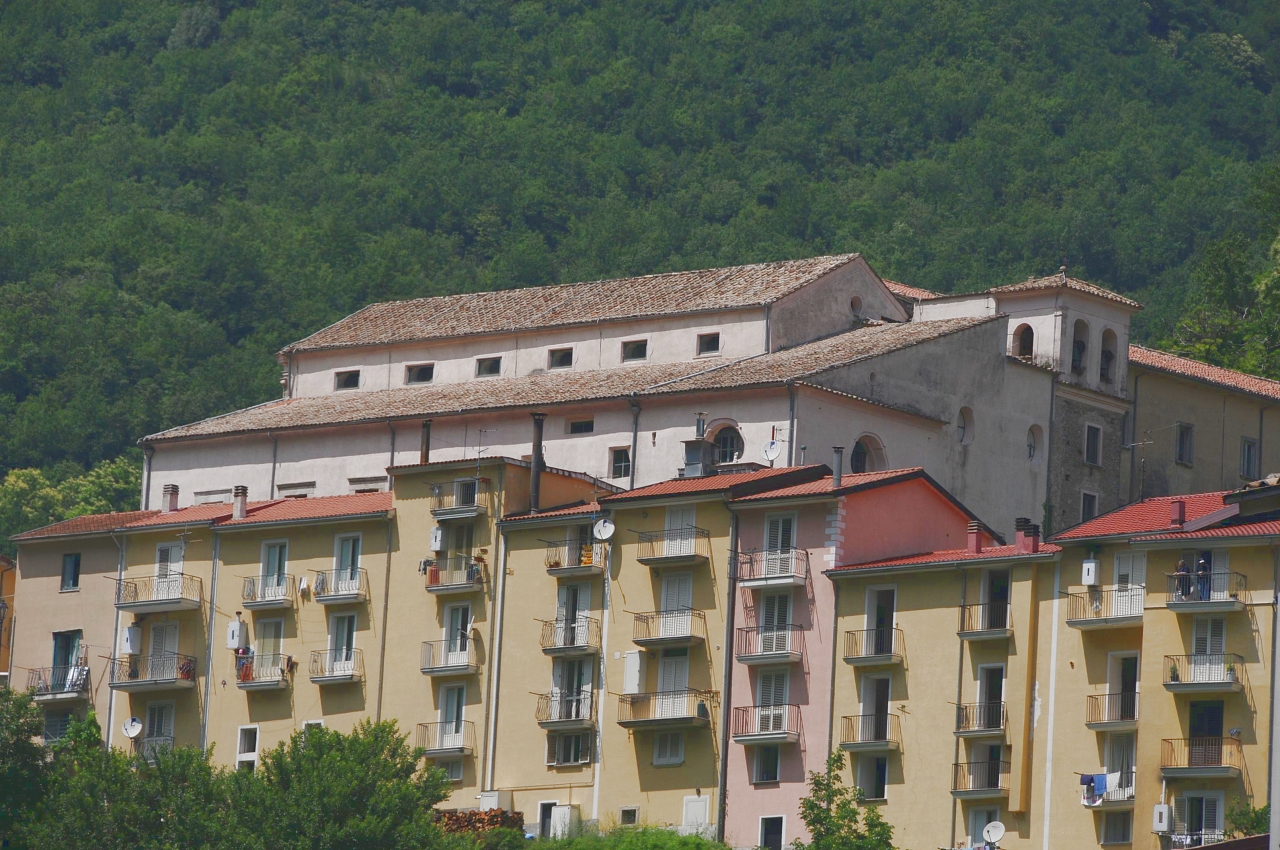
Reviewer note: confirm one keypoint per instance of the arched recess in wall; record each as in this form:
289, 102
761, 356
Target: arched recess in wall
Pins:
868, 455
1108, 365
1024, 341
965, 426
728, 443
1035, 443
1080, 347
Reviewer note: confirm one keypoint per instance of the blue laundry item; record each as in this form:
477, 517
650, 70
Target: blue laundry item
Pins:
1086, 779
1099, 783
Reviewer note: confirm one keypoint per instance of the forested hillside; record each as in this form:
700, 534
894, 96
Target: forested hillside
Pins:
186, 186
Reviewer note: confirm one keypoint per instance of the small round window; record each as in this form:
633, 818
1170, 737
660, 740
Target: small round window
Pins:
964, 426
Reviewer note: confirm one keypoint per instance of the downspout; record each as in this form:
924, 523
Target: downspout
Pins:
275, 445
635, 439
495, 668
835, 636
1273, 787
115, 639
727, 701
386, 604
148, 452
1053, 687
955, 755
208, 655
598, 755
791, 425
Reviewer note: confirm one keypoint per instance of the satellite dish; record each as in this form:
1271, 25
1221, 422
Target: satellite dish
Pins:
132, 728
603, 529
993, 832
771, 450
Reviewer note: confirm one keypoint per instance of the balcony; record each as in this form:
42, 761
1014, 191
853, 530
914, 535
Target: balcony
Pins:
455, 656
1111, 712
779, 645
766, 724
1203, 838
267, 672
59, 684
138, 673
985, 621
1105, 609
450, 738
341, 587
153, 746
1118, 797
456, 574
337, 666
874, 647
980, 780
773, 568
154, 595
1204, 674
980, 719
684, 709
579, 636
1201, 758
669, 628
460, 500
566, 711
267, 593
676, 547
567, 559
1220, 591
870, 733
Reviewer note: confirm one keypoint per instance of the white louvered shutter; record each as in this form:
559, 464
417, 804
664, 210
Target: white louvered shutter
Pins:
779, 540
1180, 815
1211, 815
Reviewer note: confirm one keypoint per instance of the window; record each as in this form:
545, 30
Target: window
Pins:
873, 776
582, 426
1184, 443
71, 571
488, 367
1248, 458
636, 349
855, 305
213, 497
247, 752
349, 380
978, 820
1079, 346
708, 344
619, 463
858, 459
55, 726
1093, 445
1199, 815
275, 566
964, 426
629, 816
767, 759
452, 769
1033, 443
560, 358
312, 724
374, 484
1117, 828
668, 748
1107, 367
1088, 506
1026, 341
728, 445
347, 552
569, 749
297, 490
771, 833
420, 373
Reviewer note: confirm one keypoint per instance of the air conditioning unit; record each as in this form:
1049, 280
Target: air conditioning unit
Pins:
130, 640
1091, 573
237, 635
1160, 818
495, 800
437, 539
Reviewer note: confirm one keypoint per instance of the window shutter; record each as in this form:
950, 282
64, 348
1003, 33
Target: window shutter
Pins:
1217, 635
1138, 569
584, 747
561, 592
1189, 558
557, 678
553, 742
1221, 560
1211, 814
1179, 815
584, 598
1200, 638
162, 561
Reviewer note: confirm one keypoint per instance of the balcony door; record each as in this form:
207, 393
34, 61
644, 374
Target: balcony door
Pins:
677, 604
882, 604
779, 545
875, 708
679, 528
775, 618
453, 700
1131, 580
571, 689
66, 673
572, 603
1207, 648
771, 710
346, 576
1205, 747
342, 644
168, 571
159, 728
275, 556
269, 660
1199, 817
673, 681
1121, 753
164, 651
1123, 688
457, 634
995, 591
990, 697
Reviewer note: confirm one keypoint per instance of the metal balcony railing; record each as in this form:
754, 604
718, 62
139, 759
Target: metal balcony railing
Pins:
575, 633
1121, 792
980, 776
773, 563
1216, 586
152, 746
674, 625
870, 729
262, 668
687, 703
152, 589
766, 720
336, 663
1111, 708
566, 706
454, 571
980, 717
1203, 838
341, 582
151, 668
266, 589
457, 651
447, 735
873, 642
675, 542
1219, 668
52, 681
779, 640
985, 616
569, 554
1201, 752
1105, 604
459, 494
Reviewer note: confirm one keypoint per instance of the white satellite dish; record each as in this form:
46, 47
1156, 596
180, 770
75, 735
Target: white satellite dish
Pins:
772, 450
132, 728
993, 832
603, 529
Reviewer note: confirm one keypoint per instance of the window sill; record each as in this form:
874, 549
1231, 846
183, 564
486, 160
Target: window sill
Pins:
668, 764
765, 783
1188, 464
708, 354
1094, 465
68, 590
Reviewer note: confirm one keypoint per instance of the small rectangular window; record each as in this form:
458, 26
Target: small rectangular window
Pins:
71, 571
312, 724
452, 769
569, 749
296, 490
767, 759
247, 751
636, 349
373, 484
348, 380
708, 344
1248, 458
1184, 443
488, 367
560, 358
55, 726
1118, 828
420, 373
1093, 445
629, 816
582, 426
1088, 506
213, 497
668, 748
620, 463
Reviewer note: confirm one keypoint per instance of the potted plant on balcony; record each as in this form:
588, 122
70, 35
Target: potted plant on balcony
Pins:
187, 669
1231, 672
1174, 675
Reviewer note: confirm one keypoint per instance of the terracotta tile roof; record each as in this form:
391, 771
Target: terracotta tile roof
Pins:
550, 388
580, 509
1172, 364
512, 310
323, 507
1061, 281
191, 515
737, 481
1147, 516
950, 556
88, 524
1268, 528
914, 293
823, 486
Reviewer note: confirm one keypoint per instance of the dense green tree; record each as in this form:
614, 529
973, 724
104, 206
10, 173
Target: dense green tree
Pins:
23, 769
1244, 819
835, 815
30, 499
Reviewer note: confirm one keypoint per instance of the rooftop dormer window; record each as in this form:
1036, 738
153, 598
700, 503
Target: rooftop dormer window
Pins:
348, 380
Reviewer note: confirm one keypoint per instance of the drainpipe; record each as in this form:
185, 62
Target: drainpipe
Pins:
208, 655
115, 639
955, 756
1053, 687
1273, 787
495, 666
726, 702
386, 604
392, 429
635, 439
148, 452
535, 473
424, 452
791, 425
598, 755
275, 445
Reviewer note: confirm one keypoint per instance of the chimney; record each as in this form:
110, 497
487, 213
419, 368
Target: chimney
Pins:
170, 498
1177, 513
239, 502
424, 454
837, 465
535, 473
1026, 536
975, 537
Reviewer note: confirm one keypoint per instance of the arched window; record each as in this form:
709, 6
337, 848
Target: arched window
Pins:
855, 305
858, 460
1035, 441
1107, 368
867, 455
728, 445
1079, 346
1026, 341
964, 426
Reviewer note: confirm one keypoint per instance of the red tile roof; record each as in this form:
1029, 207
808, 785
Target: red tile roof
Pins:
913, 293
1061, 281
192, 515
88, 524
1147, 516
1268, 528
823, 486
754, 480
951, 556
1185, 367
582, 509
323, 507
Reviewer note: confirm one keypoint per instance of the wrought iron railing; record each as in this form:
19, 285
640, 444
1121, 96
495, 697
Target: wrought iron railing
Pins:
566, 706
151, 668
870, 729
1111, 708
1201, 752
980, 776
262, 667
772, 563
337, 663
687, 703
46, 681
152, 746
985, 616
277, 588
569, 554
459, 494
1215, 586
872, 642
447, 735
766, 720
758, 640
454, 571
659, 625
173, 588
456, 651
572, 633
341, 582
980, 716
1105, 604
675, 542
1218, 668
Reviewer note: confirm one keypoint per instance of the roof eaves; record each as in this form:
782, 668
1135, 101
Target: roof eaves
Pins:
250, 525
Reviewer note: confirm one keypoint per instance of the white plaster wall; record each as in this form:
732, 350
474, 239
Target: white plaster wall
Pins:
824, 307
953, 308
